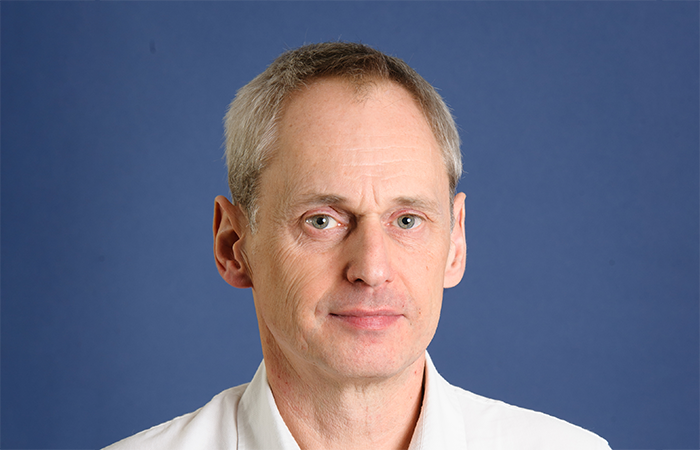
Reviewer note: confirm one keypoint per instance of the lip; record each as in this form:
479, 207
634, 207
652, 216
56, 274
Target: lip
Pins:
367, 320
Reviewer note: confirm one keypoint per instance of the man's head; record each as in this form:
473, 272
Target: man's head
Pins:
358, 230
252, 120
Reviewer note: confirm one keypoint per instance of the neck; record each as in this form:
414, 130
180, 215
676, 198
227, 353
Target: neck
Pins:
327, 413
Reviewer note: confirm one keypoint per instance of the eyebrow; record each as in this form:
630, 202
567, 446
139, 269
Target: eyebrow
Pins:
331, 199
319, 199
418, 203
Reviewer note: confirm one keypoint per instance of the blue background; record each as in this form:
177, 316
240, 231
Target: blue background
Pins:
579, 123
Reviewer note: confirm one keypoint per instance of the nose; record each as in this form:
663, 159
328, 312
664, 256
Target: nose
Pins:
369, 262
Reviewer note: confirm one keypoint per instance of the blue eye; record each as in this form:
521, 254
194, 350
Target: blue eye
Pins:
322, 222
408, 221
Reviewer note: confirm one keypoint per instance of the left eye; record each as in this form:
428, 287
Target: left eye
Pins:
322, 222
408, 221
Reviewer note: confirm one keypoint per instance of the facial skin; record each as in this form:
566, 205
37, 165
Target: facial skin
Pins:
353, 245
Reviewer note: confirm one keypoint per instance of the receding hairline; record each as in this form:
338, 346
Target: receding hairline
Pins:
363, 90
363, 86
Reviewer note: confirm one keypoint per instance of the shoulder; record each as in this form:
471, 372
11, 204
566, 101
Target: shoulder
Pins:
457, 418
491, 421
211, 427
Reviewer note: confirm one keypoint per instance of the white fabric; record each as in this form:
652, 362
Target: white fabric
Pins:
246, 418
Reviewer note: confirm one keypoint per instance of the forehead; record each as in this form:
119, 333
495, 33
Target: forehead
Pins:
331, 134
331, 99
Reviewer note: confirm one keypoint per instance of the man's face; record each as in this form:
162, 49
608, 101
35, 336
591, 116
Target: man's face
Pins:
353, 245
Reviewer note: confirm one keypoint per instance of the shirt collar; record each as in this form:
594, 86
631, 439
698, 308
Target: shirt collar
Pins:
260, 425
439, 424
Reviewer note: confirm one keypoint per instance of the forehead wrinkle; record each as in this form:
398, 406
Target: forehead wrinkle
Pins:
304, 191
354, 152
365, 188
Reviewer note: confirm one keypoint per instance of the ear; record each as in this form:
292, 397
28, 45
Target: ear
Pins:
230, 224
457, 258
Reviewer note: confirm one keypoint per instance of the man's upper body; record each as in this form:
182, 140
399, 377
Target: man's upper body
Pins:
246, 418
345, 223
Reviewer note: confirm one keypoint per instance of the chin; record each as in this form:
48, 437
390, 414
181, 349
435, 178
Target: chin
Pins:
369, 363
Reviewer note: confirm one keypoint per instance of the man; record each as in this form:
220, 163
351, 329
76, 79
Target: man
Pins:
345, 222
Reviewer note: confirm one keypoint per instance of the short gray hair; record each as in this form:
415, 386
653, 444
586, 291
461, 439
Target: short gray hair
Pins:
251, 121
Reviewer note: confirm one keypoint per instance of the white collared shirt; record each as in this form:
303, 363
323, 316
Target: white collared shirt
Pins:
246, 418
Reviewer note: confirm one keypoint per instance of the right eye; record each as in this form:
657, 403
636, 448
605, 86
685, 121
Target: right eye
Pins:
322, 222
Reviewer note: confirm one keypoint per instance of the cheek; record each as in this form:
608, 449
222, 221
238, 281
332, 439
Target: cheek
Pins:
422, 266
423, 275
288, 284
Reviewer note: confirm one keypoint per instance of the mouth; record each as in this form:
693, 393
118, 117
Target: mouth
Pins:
367, 320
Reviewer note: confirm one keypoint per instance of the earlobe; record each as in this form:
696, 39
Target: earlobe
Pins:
457, 258
229, 227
